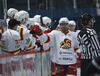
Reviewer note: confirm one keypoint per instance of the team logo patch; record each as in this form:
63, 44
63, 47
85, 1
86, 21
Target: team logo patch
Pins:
66, 44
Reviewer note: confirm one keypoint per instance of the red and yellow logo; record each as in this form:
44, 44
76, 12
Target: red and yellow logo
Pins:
66, 44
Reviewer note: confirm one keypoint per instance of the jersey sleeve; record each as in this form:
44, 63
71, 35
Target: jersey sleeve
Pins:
76, 43
47, 38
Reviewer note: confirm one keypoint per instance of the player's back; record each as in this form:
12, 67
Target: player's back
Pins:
10, 41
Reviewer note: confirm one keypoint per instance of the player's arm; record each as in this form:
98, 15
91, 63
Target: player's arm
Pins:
44, 38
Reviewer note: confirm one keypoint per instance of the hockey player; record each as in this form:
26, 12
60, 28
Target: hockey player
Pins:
11, 12
72, 26
22, 29
23, 17
37, 19
30, 22
46, 46
45, 29
46, 23
27, 41
72, 68
63, 45
10, 41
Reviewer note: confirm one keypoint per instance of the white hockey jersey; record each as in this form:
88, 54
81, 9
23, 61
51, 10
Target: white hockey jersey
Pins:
62, 47
24, 34
30, 43
23, 26
27, 41
75, 33
10, 41
75, 37
46, 44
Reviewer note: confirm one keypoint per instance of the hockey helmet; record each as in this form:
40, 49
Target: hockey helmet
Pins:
72, 22
37, 18
46, 20
11, 12
63, 20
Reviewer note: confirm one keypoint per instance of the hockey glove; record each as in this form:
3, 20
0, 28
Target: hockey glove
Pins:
32, 32
38, 30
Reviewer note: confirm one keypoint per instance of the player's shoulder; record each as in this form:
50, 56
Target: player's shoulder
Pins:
55, 31
71, 32
15, 34
10, 33
26, 32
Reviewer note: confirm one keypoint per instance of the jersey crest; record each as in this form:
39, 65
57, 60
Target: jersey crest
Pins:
66, 44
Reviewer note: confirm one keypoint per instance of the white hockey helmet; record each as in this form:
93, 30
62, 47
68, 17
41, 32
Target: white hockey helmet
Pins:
25, 13
11, 12
31, 21
46, 20
21, 15
37, 18
72, 22
63, 20
16, 16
